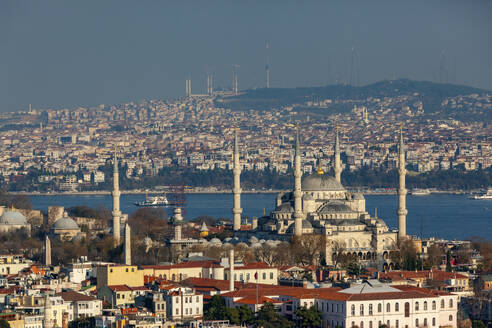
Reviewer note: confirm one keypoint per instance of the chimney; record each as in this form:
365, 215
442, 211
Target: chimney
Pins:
231, 270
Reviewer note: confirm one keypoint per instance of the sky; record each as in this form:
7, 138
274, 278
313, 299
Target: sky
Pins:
65, 54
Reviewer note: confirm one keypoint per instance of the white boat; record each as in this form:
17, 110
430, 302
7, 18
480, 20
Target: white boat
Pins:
420, 192
153, 201
487, 195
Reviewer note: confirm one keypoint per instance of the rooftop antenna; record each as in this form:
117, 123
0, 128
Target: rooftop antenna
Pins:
267, 66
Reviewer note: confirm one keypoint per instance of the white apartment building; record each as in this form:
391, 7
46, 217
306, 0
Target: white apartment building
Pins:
183, 304
81, 305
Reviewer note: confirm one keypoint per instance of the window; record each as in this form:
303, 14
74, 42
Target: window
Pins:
370, 309
397, 307
241, 277
247, 276
332, 307
379, 323
450, 303
186, 311
416, 306
126, 270
416, 322
110, 270
235, 277
271, 275
362, 309
425, 305
133, 269
380, 308
397, 323
442, 304
264, 275
198, 299
433, 322
352, 311
388, 323
177, 311
197, 310
353, 324
388, 307
177, 300
407, 310
433, 305
370, 324
450, 318
361, 324
425, 322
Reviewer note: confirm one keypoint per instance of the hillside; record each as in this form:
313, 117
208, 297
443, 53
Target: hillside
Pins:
431, 94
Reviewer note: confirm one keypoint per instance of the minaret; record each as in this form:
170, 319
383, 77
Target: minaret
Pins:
47, 251
337, 165
116, 202
236, 190
128, 245
297, 188
402, 192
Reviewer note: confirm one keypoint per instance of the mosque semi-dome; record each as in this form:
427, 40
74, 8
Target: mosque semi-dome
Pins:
13, 218
321, 182
65, 223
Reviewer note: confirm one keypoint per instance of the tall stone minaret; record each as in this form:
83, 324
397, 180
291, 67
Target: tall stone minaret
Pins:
116, 201
402, 191
236, 190
128, 245
47, 251
337, 165
297, 188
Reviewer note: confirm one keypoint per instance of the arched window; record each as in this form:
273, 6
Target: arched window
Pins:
352, 311
370, 324
388, 307
442, 304
362, 309
450, 303
450, 318
425, 322
433, 305
361, 324
353, 324
416, 322
380, 308
370, 309
433, 322
397, 307
416, 306
407, 310
425, 307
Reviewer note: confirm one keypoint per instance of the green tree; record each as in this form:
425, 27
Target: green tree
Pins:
268, 317
215, 309
4, 323
309, 318
246, 315
448, 261
478, 324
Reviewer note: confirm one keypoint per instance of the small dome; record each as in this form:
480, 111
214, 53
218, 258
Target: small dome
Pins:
321, 182
284, 208
253, 239
13, 218
65, 223
308, 197
334, 207
358, 196
215, 241
306, 224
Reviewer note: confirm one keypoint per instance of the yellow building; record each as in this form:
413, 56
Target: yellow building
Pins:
112, 275
181, 271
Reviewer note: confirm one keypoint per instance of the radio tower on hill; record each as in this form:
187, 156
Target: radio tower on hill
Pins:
267, 66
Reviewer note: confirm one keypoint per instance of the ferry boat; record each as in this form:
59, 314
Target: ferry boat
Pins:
420, 192
153, 201
487, 195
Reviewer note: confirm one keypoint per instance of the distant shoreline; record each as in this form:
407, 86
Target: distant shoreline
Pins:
142, 192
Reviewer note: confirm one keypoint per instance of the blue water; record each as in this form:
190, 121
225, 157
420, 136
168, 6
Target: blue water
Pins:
442, 215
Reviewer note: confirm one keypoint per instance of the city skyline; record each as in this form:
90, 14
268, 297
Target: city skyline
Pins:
58, 55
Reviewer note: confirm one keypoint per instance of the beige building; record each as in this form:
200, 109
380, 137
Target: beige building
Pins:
254, 273
111, 275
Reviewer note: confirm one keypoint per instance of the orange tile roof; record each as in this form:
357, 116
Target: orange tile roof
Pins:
252, 300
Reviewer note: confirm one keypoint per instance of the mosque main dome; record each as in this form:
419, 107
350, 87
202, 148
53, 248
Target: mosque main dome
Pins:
321, 182
65, 223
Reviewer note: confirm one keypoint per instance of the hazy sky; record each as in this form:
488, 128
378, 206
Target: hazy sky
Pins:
56, 54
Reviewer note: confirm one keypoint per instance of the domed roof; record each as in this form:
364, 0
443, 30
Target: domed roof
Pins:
215, 241
321, 182
285, 208
334, 207
306, 224
65, 223
13, 218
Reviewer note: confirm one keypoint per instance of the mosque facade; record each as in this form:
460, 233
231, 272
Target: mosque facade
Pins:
319, 204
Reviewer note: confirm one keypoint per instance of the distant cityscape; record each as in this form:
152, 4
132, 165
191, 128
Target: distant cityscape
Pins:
70, 149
